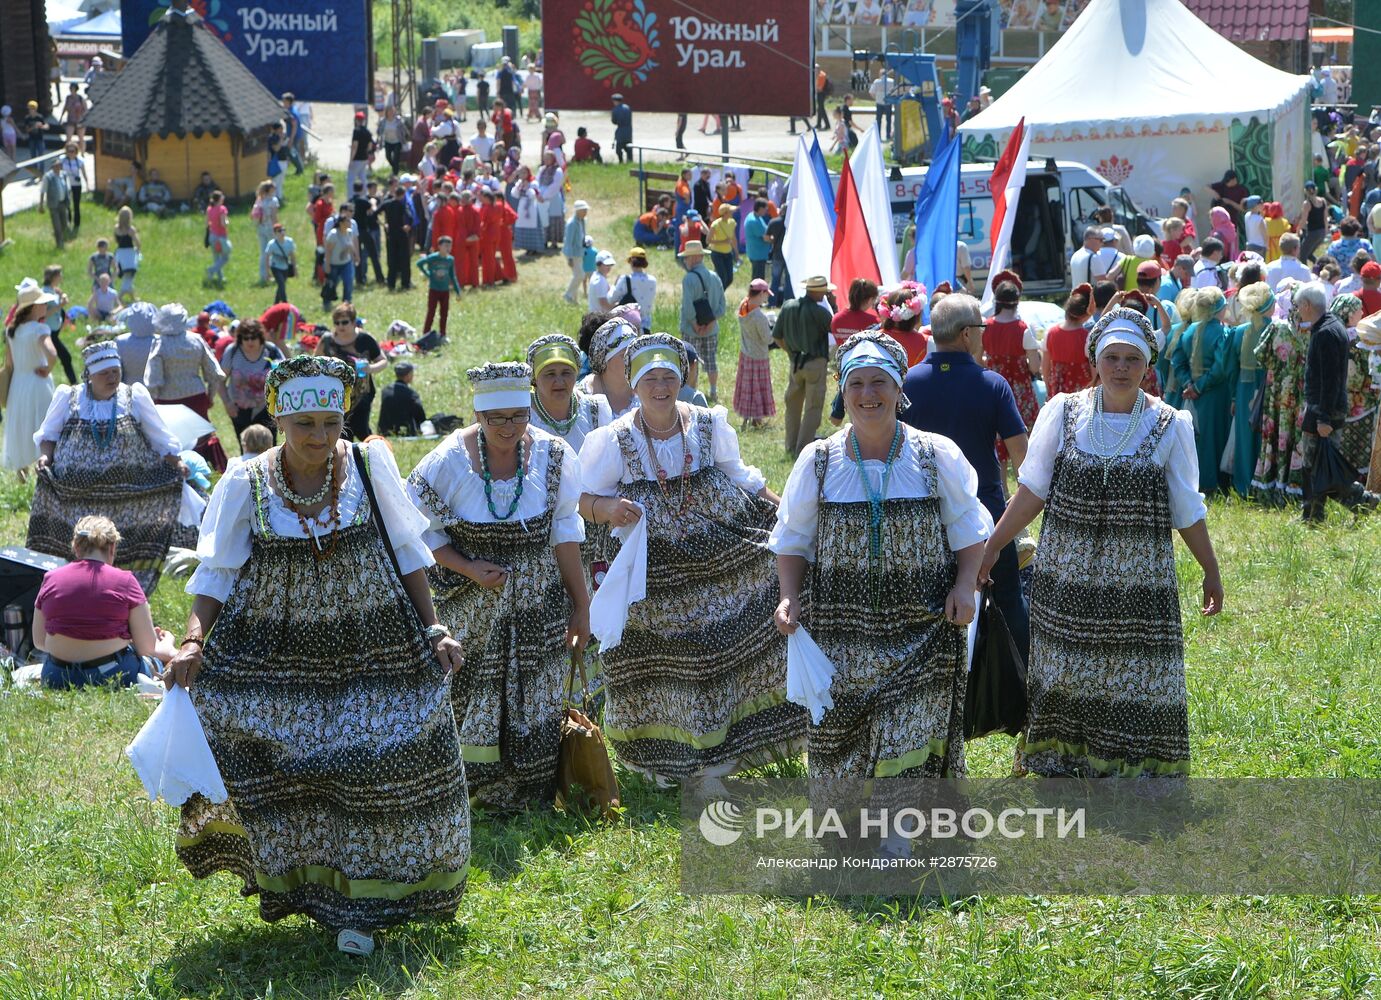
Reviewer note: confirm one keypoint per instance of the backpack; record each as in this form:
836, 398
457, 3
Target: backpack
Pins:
628, 297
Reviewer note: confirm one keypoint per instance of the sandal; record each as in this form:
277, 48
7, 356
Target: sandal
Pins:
355, 943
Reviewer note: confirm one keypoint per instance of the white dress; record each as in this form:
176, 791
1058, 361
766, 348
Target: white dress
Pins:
967, 522
30, 395
447, 468
591, 411
602, 467
1176, 452
225, 545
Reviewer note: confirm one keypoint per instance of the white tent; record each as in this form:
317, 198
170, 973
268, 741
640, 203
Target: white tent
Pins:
1155, 100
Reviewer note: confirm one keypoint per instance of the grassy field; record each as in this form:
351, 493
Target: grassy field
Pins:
93, 903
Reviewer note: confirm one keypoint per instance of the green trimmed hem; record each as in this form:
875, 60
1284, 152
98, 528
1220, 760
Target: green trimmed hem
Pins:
894, 766
1111, 768
478, 754
360, 888
657, 731
214, 827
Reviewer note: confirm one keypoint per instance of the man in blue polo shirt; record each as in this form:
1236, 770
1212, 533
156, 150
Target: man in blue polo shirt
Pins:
951, 394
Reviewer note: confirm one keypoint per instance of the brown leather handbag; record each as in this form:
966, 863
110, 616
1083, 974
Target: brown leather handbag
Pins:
584, 774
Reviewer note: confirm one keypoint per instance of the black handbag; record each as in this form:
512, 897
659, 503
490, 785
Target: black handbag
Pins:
1330, 472
629, 298
704, 315
995, 701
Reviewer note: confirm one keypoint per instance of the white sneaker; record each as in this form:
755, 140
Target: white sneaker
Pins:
355, 943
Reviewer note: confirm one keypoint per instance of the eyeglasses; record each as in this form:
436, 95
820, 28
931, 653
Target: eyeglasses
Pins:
344, 322
517, 418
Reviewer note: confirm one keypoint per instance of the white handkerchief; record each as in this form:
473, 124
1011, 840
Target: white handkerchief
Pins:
171, 755
809, 673
193, 506
624, 585
972, 630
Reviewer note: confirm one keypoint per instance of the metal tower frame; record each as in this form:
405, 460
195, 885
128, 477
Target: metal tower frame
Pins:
404, 58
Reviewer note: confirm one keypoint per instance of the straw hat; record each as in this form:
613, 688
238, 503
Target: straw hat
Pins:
694, 248
31, 294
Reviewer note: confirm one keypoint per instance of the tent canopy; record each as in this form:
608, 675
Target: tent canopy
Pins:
1150, 65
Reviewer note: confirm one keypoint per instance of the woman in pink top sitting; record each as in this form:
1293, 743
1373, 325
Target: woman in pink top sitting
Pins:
92, 620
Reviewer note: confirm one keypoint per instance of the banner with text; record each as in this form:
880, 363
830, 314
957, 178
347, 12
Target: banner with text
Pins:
319, 53
720, 56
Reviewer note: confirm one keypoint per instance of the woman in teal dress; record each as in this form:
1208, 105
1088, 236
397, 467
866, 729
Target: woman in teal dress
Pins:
1171, 390
1248, 377
1201, 364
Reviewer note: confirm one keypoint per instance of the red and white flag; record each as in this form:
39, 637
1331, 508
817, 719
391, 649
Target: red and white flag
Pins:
852, 256
1009, 176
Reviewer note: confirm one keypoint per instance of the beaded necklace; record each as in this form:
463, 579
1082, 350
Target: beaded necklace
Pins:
562, 427
309, 526
103, 432
283, 482
875, 497
685, 503
1097, 426
489, 481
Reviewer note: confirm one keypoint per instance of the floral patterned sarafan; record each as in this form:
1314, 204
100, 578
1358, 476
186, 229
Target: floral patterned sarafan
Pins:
616, 40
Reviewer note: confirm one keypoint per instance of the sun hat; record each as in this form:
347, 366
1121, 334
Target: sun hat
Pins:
818, 283
694, 248
32, 294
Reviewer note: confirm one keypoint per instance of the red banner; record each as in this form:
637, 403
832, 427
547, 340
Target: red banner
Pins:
712, 56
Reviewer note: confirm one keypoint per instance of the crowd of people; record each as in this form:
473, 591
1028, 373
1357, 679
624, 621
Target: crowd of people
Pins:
598, 502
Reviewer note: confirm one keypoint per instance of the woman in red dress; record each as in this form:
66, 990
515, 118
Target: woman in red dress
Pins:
1011, 350
1064, 363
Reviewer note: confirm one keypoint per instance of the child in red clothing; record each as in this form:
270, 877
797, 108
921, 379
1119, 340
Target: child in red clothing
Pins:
1064, 364
1011, 350
468, 240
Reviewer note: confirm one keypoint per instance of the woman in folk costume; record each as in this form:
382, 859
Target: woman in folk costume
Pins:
1201, 364
694, 672
1116, 472
562, 409
559, 406
1012, 350
103, 449
608, 374
1247, 376
1280, 464
322, 678
886, 521
501, 497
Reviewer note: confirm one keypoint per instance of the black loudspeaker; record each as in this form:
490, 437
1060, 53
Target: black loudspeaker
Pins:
21, 574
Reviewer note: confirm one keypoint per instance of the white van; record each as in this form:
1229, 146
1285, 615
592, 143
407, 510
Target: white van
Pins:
1057, 205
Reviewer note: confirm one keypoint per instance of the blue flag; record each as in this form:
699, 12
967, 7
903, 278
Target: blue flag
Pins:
822, 176
937, 219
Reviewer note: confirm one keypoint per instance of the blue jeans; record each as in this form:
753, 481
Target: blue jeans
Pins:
36, 149
122, 668
220, 256
344, 273
781, 284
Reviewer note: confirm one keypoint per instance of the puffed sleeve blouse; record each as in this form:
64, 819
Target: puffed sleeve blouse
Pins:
450, 472
225, 544
139, 405
1175, 453
603, 469
967, 522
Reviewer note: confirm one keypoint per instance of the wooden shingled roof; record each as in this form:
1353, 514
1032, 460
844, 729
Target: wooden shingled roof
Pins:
183, 80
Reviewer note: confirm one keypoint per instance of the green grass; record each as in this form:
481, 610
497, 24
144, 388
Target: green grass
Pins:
93, 903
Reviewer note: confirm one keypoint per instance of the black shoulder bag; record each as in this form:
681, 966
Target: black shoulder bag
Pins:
704, 315
374, 508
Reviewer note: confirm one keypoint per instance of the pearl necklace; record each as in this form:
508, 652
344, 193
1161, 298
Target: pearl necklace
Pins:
562, 427
686, 501
1098, 425
283, 484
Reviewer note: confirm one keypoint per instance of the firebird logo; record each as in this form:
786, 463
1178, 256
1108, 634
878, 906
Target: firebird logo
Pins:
1115, 169
615, 40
